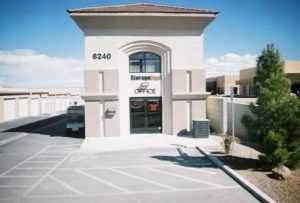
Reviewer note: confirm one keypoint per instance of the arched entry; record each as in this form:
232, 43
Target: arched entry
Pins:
155, 50
145, 105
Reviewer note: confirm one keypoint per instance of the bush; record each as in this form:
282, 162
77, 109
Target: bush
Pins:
274, 153
294, 159
276, 122
228, 141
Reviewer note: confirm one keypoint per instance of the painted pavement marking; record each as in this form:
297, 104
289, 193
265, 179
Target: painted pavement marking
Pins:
140, 192
34, 168
102, 181
13, 138
46, 175
14, 186
143, 179
185, 177
157, 166
22, 162
194, 169
41, 161
22, 176
66, 185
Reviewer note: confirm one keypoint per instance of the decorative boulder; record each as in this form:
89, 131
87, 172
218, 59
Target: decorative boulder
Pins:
282, 172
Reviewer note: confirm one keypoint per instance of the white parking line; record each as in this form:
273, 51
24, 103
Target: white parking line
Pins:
62, 147
41, 161
140, 192
14, 186
46, 175
143, 166
34, 168
66, 185
51, 156
143, 179
194, 169
102, 181
22, 162
115, 167
13, 138
59, 151
185, 177
65, 145
22, 176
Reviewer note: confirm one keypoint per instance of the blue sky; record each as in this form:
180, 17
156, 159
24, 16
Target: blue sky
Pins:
243, 28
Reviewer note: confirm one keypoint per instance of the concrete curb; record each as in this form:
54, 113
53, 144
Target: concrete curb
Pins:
257, 193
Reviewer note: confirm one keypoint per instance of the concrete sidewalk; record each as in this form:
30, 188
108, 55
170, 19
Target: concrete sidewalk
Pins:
143, 141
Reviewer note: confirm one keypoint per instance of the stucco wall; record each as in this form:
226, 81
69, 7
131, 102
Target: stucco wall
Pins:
93, 119
109, 34
219, 113
292, 67
216, 113
97, 122
112, 123
112, 44
239, 111
185, 110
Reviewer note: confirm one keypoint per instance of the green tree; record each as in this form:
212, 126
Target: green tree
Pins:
276, 122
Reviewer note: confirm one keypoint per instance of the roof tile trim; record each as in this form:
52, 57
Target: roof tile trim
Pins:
142, 8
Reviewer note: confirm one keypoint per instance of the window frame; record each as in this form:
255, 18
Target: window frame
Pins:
143, 61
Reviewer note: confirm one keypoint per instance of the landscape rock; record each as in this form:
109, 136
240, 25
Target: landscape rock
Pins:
282, 172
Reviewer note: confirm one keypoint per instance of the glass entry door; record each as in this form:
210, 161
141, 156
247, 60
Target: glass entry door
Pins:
145, 115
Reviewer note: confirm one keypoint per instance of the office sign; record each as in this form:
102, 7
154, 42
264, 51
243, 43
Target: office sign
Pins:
145, 84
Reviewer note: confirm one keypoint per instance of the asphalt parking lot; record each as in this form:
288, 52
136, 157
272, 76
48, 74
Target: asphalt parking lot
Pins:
43, 168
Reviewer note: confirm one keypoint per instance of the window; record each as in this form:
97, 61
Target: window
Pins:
144, 62
220, 90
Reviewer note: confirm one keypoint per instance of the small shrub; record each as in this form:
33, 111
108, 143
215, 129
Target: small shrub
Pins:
294, 160
228, 140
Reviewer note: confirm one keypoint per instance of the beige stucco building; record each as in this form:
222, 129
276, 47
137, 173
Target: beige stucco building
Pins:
144, 68
223, 85
247, 78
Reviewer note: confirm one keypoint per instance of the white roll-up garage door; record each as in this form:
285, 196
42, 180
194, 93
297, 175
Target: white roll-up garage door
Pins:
65, 103
35, 105
61, 103
44, 105
23, 107
57, 105
10, 109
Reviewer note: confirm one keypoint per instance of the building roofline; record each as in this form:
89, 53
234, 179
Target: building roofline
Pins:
123, 10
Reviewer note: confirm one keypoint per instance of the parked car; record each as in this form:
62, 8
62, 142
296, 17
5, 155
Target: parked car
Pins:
75, 123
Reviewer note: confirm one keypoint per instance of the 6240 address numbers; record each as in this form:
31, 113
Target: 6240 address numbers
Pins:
101, 56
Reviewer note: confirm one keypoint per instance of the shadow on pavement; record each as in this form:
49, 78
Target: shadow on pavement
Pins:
185, 160
54, 127
238, 163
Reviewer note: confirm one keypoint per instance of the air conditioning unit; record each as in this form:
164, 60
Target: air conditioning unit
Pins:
200, 128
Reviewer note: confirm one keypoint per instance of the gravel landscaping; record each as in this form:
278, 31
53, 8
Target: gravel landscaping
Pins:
244, 160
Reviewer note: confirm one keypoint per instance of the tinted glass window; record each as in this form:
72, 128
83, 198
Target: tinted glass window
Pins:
144, 62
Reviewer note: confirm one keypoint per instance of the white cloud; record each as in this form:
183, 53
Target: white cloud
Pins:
229, 64
28, 68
